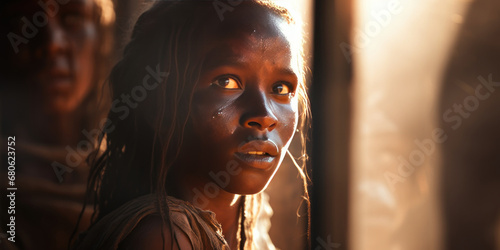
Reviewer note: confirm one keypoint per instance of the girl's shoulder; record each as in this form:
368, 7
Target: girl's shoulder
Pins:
140, 224
152, 233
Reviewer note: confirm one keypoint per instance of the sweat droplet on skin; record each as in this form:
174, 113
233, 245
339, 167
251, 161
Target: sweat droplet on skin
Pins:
217, 114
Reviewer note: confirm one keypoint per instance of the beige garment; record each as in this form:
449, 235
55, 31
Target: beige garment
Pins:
200, 226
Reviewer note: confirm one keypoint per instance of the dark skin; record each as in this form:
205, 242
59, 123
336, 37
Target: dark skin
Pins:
243, 117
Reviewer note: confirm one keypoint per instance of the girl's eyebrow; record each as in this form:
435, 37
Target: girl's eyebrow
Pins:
236, 62
287, 71
226, 61
222, 55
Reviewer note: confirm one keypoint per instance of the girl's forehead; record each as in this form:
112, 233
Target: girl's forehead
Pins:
247, 18
247, 29
243, 47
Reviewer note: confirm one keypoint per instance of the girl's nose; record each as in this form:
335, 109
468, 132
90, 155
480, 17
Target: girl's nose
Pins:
257, 113
262, 123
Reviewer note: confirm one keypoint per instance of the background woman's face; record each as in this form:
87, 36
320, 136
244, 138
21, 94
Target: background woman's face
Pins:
56, 64
244, 111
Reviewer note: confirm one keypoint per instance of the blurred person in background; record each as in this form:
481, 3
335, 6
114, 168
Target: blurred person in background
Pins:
55, 56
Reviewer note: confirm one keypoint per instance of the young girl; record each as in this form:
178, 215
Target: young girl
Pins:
207, 99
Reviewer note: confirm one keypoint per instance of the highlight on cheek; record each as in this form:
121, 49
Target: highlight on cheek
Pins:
294, 102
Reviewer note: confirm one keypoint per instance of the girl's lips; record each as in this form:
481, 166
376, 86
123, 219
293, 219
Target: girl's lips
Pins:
258, 153
259, 147
257, 161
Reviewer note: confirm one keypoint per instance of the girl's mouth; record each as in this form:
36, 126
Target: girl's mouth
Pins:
258, 153
259, 147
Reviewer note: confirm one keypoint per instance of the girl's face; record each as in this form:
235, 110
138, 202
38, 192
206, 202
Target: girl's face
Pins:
244, 110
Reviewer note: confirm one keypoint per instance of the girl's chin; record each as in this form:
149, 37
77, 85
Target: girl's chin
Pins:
246, 188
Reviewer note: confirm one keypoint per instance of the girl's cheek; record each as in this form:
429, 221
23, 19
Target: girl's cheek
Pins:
209, 120
294, 102
291, 118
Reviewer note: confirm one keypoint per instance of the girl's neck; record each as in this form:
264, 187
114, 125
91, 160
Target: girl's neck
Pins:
208, 196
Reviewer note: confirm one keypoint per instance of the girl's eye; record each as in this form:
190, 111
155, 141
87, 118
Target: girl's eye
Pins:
227, 82
282, 89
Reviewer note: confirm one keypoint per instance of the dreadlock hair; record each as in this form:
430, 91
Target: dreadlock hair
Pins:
144, 140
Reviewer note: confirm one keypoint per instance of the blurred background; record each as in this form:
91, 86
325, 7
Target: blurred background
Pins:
406, 140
